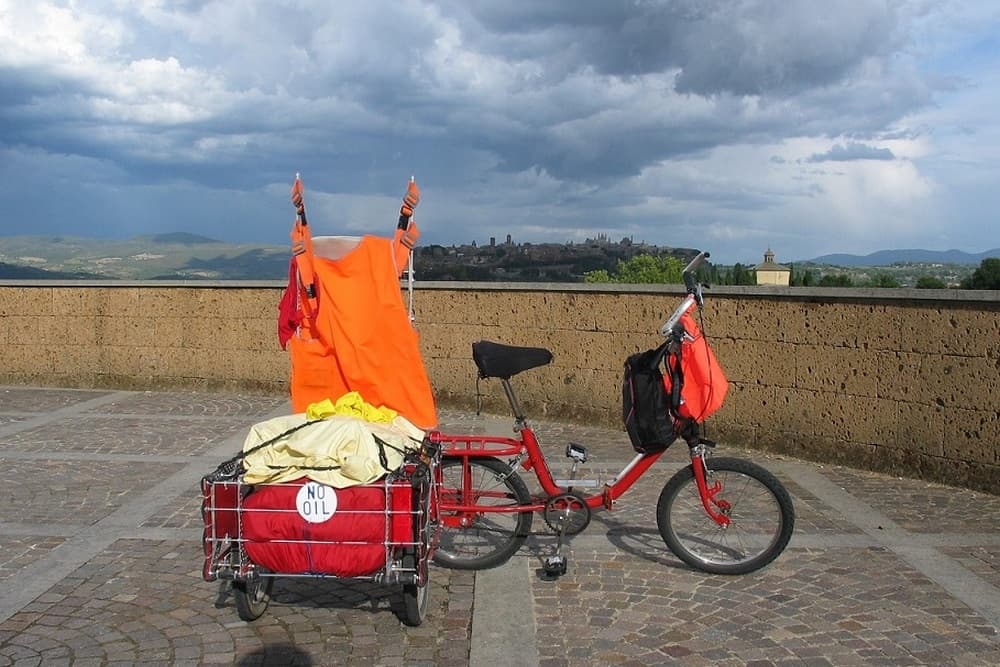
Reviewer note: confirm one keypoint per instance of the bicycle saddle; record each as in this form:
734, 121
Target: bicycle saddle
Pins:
496, 360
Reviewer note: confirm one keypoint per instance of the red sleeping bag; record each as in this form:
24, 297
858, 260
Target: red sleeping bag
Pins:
302, 527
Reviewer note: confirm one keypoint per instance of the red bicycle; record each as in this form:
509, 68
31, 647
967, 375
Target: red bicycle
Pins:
720, 515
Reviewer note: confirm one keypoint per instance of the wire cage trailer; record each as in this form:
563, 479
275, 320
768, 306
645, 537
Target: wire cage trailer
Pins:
379, 532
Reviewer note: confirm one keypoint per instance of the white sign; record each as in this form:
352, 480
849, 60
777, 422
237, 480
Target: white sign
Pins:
316, 502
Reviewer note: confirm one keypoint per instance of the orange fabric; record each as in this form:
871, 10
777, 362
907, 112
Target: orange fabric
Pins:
705, 384
361, 338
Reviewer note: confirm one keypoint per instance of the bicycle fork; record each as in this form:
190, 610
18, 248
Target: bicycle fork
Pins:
717, 508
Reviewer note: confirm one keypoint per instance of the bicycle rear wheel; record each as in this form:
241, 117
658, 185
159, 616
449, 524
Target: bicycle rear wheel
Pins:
479, 540
758, 507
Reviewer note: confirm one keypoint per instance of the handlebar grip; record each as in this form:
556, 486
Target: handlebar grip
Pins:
691, 268
693, 293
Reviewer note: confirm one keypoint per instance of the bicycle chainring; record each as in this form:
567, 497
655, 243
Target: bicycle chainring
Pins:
567, 513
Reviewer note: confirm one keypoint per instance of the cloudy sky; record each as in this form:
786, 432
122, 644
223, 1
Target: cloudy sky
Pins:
729, 125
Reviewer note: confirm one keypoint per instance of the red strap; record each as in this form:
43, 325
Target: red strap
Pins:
302, 251
410, 199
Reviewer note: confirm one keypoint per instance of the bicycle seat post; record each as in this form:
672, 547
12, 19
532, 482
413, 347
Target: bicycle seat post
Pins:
515, 407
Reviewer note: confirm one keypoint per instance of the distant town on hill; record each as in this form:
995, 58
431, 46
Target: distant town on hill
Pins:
183, 256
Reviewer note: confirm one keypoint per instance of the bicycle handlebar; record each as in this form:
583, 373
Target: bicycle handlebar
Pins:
690, 270
694, 295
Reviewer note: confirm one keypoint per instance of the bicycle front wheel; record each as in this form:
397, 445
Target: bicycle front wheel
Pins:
480, 539
759, 509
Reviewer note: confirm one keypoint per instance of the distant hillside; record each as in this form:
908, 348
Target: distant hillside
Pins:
176, 256
13, 271
255, 264
182, 238
890, 257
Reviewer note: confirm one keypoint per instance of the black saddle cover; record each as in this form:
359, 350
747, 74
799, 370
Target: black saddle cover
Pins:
496, 360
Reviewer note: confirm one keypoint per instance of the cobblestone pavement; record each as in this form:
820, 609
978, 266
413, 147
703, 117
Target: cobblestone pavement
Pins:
100, 562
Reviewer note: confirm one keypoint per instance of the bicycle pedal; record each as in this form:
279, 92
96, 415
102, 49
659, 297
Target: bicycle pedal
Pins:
555, 566
576, 452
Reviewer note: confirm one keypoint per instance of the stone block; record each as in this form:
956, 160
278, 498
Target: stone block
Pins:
566, 311
971, 435
920, 428
453, 341
19, 359
171, 332
754, 405
757, 362
956, 330
124, 331
439, 307
892, 383
830, 324
731, 434
836, 369
21, 329
74, 360
587, 350
76, 331
75, 301
181, 363
244, 303
25, 301
248, 365
129, 361
452, 377
639, 314
957, 381
879, 326
762, 319
125, 302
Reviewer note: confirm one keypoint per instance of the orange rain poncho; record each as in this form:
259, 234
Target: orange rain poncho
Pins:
359, 336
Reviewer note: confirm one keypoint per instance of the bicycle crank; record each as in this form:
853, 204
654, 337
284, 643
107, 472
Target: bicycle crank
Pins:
566, 513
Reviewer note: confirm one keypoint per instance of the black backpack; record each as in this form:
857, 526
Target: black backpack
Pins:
647, 409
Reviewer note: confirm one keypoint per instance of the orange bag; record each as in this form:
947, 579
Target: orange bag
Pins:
703, 383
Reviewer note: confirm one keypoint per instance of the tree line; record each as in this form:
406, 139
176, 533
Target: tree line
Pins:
667, 270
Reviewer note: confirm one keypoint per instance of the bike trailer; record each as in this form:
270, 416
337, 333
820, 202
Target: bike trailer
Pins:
375, 531
307, 528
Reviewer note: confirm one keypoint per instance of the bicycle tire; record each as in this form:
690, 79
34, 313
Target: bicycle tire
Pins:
252, 596
761, 515
491, 538
416, 598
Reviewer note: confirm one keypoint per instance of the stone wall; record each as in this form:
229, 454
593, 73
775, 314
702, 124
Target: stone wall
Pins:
902, 381
142, 336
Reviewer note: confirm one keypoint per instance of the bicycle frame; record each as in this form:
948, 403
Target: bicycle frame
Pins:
525, 451
730, 516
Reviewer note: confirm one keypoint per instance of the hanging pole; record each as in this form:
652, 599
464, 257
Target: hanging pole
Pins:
409, 234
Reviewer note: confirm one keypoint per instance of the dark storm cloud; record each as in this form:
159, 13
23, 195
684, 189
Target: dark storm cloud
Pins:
567, 98
852, 151
739, 47
799, 66
557, 115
